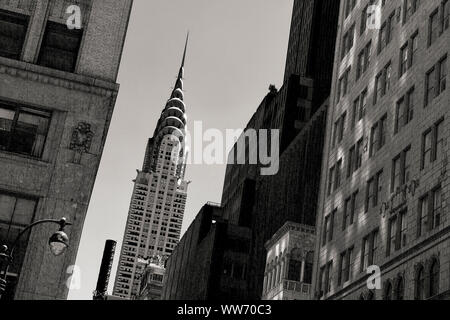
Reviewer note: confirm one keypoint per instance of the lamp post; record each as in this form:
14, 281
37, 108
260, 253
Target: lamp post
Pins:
58, 243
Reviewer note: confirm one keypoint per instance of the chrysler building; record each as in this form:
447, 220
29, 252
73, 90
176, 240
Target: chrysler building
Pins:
156, 211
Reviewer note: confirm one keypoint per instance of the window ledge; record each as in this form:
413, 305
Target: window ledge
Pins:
15, 158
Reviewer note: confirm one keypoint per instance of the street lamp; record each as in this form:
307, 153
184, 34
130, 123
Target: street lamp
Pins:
58, 242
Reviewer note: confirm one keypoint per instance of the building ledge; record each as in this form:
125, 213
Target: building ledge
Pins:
58, 78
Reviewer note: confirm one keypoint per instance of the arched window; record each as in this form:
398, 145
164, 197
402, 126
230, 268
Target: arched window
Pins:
295, 265
361, 297
400, 289
420, 283
307, 277
434, 278
388, 291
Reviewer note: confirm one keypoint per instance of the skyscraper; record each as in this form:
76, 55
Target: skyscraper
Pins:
384, 189
157, 204
57, 95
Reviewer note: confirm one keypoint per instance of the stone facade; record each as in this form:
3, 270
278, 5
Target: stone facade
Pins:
289, 263
51, 171
388, 206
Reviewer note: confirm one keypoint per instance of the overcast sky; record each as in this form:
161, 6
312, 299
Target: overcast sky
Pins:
236, 49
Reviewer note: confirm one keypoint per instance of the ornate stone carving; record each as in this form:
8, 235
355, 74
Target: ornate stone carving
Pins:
81, 137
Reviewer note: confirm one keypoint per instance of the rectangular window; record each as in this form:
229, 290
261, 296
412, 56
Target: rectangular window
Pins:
60, 46
446, 15
337, 182
422, 215
401, 166
23, 130
437, 204
433, 27
410, 7
369, 250
432, 144
330, 180
16, 212
430, 83
442, 79
13, 29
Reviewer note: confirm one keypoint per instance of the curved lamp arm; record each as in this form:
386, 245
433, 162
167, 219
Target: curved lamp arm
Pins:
62, 223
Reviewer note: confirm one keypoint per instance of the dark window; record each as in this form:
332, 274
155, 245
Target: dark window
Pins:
60, 46
388, 291
420, 283
400, 289
13, 28
15, 214
23, 130
434, 278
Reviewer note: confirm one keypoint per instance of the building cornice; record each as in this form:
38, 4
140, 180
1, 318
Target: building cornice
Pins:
58, 78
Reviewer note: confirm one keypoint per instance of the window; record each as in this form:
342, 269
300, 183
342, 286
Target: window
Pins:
446, 15
409, 8
348, 41
397, 232
420, 283
442, 79
343, 84
328, 277
359, 153
432, 144
351, 162
386, 32
400, 289
363, 60
348, 214
23, 130
383, 82
13, 28
345, 266
16, 212
436, 80
407, 53
339, 126
373, 190
378, 136
337, 181
401, 166
60, 46
430, 82
434, 278
430, 210
330, 180
404, 111
364, 17
349, 6
388, 291
328, 227
433, 27
369, 250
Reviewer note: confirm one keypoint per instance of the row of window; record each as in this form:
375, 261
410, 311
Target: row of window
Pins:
426, 277
59, 48
432, 150
429, 214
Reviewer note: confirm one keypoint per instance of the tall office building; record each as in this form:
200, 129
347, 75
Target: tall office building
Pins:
384, 189
157, 205
298, 109
57, 95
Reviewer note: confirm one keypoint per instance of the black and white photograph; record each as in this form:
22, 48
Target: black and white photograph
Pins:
224, 158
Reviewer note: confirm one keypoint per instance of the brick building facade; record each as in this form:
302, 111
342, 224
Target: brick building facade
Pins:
384, 189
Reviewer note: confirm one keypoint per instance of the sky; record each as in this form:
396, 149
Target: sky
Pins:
236, 49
